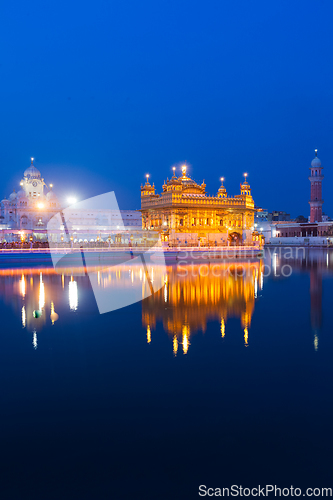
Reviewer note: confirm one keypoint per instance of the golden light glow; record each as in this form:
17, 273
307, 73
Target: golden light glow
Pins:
222, 328
148, 334
246, 336
175, 345
184, 170
51, 185
186, 304
53, 316
22, 286
186, 341
41, 303
40, 205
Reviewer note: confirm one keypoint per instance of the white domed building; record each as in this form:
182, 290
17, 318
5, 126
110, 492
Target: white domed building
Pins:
29, 209
26, 213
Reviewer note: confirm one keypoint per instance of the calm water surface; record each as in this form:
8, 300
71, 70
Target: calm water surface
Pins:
223, 376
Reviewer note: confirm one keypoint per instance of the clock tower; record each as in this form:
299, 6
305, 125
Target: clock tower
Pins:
32, 182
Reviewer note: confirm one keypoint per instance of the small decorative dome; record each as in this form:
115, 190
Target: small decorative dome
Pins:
51, 196
222, 192
316, 162
32, 171
12, 196
20, 194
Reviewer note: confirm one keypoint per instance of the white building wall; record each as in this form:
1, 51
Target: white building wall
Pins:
301, 241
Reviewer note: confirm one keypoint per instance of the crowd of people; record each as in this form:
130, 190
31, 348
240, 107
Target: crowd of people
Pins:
23, 244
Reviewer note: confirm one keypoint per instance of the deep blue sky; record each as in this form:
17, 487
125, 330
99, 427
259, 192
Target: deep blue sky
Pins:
102, 92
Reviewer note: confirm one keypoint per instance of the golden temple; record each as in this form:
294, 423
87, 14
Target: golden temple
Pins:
185, 215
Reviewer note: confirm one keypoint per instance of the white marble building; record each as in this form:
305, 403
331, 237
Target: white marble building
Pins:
29, 210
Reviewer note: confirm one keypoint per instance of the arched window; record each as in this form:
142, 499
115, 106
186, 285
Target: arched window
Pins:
24, 220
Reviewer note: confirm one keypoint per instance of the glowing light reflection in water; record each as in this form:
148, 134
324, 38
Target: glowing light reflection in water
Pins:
183, 304
73, 295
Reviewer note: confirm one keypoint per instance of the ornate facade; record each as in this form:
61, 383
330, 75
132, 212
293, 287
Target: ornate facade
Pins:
29, 208
185, 215
28, 211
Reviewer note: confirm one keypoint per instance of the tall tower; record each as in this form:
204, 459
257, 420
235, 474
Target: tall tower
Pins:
316, 201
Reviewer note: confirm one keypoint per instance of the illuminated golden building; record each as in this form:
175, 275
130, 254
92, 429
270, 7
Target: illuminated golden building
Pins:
184, 214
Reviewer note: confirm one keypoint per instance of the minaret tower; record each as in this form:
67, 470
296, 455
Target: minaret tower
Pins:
316, 201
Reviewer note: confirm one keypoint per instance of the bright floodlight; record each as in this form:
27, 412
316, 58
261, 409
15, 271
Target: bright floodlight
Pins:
71, 200
40, 205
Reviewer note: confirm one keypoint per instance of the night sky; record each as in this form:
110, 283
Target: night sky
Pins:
103, 92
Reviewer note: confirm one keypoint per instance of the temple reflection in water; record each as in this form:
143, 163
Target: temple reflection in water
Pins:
191, 296
197, 294
34, 293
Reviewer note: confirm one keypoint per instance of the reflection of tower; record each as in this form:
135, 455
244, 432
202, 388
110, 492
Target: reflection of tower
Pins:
316, 297
316, 179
